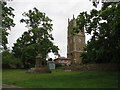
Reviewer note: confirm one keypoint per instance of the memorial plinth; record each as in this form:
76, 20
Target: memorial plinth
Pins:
39, 68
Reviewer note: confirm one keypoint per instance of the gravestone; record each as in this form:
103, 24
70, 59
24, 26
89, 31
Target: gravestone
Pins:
39, 68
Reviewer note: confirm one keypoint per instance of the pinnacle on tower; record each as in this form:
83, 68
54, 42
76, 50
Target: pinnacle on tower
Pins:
73, 16
68, 20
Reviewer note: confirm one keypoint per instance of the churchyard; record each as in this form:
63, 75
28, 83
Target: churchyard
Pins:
27, 64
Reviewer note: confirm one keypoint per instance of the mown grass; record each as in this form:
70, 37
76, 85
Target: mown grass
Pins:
61, 79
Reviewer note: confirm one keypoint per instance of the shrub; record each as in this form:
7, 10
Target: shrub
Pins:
58, 65
9, 61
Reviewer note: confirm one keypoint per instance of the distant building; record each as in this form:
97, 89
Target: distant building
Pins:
63, 61
75, 43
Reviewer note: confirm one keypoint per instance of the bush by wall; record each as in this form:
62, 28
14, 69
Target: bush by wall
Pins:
57, 65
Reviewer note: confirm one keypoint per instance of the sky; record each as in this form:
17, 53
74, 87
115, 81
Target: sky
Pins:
57, 10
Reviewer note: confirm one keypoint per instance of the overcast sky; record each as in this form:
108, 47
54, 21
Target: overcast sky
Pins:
57, 10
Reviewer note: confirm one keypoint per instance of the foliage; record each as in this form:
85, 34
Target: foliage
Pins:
7, 23
37, 40
61, 79
58, 65
9, 61
103, 25
84, 58
50, 59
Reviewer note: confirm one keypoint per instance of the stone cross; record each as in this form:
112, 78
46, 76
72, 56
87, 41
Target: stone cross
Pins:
38, 62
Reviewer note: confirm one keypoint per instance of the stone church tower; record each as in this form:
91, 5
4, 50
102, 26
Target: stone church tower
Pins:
75, 43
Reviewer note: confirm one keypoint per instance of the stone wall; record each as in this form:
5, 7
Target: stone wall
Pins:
95, 67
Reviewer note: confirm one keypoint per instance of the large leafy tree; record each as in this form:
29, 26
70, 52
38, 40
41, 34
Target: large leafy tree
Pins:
103, 25
7, 22
37, 40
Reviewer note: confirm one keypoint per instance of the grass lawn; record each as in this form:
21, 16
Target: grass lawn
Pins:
61, 79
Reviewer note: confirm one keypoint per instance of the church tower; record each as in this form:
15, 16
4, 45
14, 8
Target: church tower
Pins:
75, 43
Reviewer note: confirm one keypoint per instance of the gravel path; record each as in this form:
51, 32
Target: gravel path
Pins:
8, 86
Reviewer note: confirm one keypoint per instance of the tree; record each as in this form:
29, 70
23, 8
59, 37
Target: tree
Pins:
7, 23
103, 25
37, 40
50, 59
